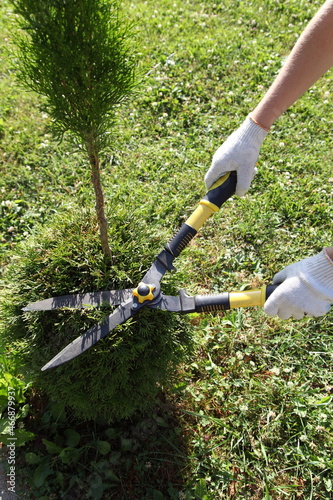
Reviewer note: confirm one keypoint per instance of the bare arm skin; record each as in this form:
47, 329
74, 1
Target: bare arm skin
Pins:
310, 58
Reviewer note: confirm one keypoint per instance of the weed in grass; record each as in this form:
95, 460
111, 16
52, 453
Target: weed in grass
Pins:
136, 458
14, 394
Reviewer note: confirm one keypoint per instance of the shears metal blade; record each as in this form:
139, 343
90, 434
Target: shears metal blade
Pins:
89, 338
81, 300
148, 292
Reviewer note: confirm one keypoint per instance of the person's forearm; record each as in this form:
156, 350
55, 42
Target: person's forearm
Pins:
310, 58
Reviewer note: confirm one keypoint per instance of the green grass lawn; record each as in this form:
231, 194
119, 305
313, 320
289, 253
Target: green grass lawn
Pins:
250, 416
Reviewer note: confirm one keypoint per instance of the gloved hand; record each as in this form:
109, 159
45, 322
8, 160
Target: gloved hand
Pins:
306, 289
239, 152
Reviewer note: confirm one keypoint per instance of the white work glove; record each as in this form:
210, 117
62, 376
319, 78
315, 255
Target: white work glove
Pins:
306, 289
239, 152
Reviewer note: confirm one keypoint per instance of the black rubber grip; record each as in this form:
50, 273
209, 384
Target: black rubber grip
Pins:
270, 289
210, 303
180, 240
222, 193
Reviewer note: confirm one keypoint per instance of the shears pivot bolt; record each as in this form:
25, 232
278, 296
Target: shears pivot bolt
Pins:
144, 292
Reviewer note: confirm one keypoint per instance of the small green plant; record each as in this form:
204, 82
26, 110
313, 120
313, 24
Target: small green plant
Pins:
78, 55
87, 460
14, 390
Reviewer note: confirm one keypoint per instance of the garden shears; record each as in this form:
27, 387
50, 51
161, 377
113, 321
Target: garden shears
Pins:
148, 292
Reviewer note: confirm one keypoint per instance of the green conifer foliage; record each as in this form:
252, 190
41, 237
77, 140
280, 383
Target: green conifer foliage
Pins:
78, 55
125, 372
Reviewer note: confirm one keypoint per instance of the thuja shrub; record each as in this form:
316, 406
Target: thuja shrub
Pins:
125, 371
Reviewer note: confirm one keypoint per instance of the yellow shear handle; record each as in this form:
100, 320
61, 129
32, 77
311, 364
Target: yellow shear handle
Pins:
248, 298
223, 189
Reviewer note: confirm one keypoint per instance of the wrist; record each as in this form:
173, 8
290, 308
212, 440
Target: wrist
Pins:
258, 123
265, 115
329, 254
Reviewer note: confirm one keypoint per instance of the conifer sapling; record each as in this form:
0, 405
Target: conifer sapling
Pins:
78, 55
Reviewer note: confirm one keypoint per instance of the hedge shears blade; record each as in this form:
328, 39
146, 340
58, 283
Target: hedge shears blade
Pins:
148, 292
89, 338
81, 300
